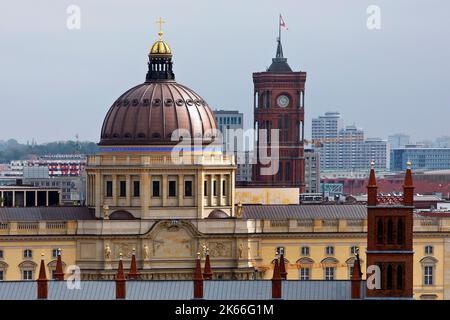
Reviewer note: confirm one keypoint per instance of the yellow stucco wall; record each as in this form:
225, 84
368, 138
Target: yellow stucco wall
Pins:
267, 195
13, 255
292, 248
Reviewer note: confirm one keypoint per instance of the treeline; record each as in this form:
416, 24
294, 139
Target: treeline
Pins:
13, 150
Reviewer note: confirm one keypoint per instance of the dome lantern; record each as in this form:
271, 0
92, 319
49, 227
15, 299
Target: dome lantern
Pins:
160, 59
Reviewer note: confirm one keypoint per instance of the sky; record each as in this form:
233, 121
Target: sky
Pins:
57, 82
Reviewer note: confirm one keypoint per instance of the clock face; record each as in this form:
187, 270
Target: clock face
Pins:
282, 101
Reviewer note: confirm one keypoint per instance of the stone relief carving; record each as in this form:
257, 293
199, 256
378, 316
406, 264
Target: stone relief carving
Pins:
172, 241
125, 248
220, 249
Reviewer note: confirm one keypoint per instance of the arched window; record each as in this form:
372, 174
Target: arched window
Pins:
399, 277
389, 231
400, 233
379, 231
389, 277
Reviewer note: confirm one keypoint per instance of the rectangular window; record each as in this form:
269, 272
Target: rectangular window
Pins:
2, 275
155, 189
123, 189
304, 273
1, 254
27, 253
287, 173
329, 273
205, 188
280, 250
215, 188
27, 275
172, 188
136, 188
188, 188
305, 251
55, 253
224, 188
109, 189
428, 275
428, 250
329, 251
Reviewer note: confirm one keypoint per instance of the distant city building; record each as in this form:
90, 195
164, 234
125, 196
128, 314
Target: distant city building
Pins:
64, 172
244, 167
443, 142
233, 120
21, 195
421, 158
312, 171
325, 130
345, 148
377, 150
398, 140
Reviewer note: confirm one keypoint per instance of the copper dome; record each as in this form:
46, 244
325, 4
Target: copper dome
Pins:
151, 111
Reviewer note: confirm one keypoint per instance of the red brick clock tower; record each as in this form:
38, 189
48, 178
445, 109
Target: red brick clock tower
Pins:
390, 238
279, 96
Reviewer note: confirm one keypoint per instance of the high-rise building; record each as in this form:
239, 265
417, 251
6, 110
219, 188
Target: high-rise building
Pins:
345, 148
227, 121
325, 130
398, 140
279, 98
312, 171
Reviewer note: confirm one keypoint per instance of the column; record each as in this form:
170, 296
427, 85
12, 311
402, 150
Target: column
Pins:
1, 196
164, 187
128, 190
97, 194
180, 189
46, 198
36, 198
14, 199
199, 198
220, 189
144, 193
230, 196
211, 189
114, 187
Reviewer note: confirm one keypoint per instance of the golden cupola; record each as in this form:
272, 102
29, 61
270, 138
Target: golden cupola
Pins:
160, 47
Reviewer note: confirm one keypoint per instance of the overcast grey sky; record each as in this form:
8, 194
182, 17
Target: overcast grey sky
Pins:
57, 82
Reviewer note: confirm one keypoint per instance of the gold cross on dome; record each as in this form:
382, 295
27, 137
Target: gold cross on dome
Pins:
160, 33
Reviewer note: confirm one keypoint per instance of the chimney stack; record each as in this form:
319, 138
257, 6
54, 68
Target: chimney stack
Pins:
59, 273
207, 272
276, 281
133, 274
198, 279
120, 281
42, 282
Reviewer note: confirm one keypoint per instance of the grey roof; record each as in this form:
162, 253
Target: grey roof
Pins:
352, 211
45, 214
181, 290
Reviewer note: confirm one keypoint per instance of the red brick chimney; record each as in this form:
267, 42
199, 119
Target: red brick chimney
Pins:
372, 188
198, 279
42, 282
59, 273
133, 274
120, 281
207, 272
276, 281
283, 272
356, 278
408, 187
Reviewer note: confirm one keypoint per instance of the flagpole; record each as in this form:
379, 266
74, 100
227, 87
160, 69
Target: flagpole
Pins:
279, 28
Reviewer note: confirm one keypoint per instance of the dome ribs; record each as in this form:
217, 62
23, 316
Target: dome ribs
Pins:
127, 124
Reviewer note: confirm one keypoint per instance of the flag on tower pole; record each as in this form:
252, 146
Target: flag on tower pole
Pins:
282, 23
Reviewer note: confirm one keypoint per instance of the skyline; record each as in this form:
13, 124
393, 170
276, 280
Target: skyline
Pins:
77, 77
